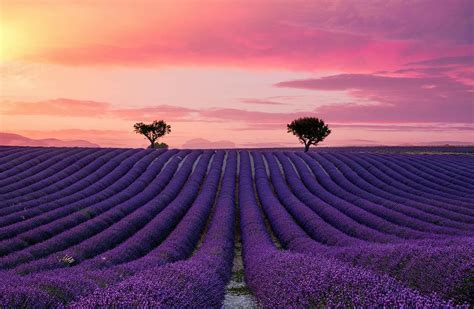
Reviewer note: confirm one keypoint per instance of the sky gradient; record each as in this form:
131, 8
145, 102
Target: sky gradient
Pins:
234, 73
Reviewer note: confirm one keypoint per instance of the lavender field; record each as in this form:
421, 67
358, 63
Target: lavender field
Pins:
87, 227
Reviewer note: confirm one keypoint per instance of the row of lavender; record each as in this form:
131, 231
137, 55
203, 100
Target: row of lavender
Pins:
123, 227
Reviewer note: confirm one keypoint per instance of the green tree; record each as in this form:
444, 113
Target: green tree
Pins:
153, 132
309, 130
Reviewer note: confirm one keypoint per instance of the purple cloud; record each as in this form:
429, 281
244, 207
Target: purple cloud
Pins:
445, 61
467, 60
394, 99
425, 20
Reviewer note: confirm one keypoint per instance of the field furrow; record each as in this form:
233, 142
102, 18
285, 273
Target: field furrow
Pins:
91, 227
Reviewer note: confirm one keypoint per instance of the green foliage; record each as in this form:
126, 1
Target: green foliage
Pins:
240, 290
238, 276
57, 292
309, 130
159, 145
153, 131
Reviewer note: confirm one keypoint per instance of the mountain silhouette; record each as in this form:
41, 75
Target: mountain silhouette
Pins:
10, 139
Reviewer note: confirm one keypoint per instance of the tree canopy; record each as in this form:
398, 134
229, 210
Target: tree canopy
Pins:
153, 132
309, 130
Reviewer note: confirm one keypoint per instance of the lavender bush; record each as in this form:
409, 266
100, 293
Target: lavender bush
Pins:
156, 228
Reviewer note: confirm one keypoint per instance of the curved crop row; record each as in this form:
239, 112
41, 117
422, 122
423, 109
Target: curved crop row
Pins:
363, 212
366, 180
34, 167
85, 224
437, 261
344, 176
10, 153
155, 228
410, 173
197, 282
24, 160
399, 213
66, 165
311, 222
116, 177
59, 179
446, 269
55, 193
434, 174
219, 237
462, 164
393, 178
166, 185
447, 169
291, 280
332, 215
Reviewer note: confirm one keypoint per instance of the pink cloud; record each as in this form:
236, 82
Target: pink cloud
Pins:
420, 20
240, 115
276, 46
394, 116
57, 107
397, 99
324, 34
156, 112
420, 127
466, 60
420, 72
260, 101
466, 75
91, 109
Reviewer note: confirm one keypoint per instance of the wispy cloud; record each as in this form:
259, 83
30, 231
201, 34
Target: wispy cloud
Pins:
260, 101
93, 109
420, 127
306, 35
404, 101
57, 107
467, 60
397, 99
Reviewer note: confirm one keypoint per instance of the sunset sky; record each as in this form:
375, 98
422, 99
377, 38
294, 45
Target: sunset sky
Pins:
234, 73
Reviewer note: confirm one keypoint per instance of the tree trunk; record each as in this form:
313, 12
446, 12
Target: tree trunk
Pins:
306, 147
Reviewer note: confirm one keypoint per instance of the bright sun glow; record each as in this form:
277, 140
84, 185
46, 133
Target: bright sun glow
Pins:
14, 42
